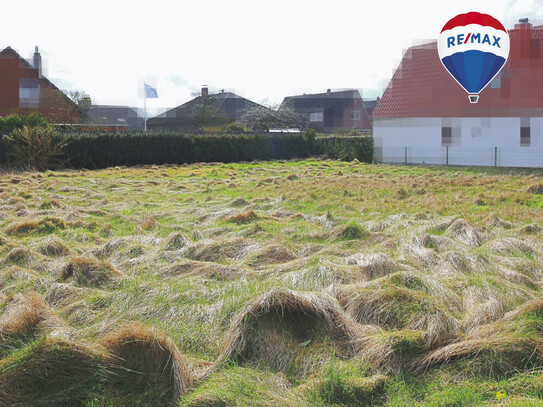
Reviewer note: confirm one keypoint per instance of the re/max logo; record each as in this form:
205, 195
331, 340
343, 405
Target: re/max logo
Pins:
474, 37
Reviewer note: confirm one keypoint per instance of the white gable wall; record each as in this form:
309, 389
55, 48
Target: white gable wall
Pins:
474, 141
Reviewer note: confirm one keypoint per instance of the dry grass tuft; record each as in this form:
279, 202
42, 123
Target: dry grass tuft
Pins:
463, 231
38, 226
494, 355
535, 189
272, 254
243, 217
393, 350
373, 265
27, 315
50, 204
148, 362
273, 328
51, 372
216, 250
149, 223
54, 247
395, 307
510, 246
176, 241
530, 229
89, 271
62, 293
238, 202
204, 269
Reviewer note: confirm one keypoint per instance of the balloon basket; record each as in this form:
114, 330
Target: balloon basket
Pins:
473, 98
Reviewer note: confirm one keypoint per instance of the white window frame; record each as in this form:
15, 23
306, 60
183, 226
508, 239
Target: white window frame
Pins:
316, 117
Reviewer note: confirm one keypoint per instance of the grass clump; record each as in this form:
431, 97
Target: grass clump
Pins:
148, 366
243, 217
51, 372
26, 317
352, 231
43, 226
342, 388
89, 271
54, 247
176, 241
272, 327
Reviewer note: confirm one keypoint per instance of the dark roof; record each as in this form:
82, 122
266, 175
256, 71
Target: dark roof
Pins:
369, 105
422, 87
335, 103
310, 102
114, 115
224, 104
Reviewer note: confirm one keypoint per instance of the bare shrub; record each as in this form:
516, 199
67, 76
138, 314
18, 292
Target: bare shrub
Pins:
36, 148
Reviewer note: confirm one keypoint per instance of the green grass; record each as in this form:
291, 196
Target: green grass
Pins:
194, 245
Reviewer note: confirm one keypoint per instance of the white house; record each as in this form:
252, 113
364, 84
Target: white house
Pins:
425, 116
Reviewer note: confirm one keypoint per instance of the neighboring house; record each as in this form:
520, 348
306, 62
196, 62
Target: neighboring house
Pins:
369, 106
24, 90
118, 117
204, 111
424, 116
331, 111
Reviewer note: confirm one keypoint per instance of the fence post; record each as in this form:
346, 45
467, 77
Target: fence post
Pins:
447, 156
405, 154
2, 150
495, 156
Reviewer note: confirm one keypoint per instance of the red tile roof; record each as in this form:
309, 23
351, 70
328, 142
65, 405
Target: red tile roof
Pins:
422, 87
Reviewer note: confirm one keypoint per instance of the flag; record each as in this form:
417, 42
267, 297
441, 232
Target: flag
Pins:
150, 92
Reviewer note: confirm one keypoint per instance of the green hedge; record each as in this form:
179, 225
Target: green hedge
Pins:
100, 150
15, 121
105, 150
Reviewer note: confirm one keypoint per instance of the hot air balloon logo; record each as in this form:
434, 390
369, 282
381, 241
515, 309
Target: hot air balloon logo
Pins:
473, 47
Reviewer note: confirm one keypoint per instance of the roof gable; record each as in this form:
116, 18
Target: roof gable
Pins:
421, 86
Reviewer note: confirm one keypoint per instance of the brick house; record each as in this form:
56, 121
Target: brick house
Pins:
331, 111
24, 90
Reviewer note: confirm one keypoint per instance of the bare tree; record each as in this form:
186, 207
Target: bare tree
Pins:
263, 119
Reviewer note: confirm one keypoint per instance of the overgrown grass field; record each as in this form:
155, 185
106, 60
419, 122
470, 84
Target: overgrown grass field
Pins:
299, 283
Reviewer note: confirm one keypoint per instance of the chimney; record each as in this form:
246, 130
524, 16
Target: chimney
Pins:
36, 62
205, 91
521, 39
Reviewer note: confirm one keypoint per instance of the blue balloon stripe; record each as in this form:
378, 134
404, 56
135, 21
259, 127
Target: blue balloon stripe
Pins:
473, 69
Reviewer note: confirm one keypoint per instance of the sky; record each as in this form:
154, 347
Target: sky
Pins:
259, 49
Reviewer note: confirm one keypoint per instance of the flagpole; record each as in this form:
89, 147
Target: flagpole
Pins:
144, 108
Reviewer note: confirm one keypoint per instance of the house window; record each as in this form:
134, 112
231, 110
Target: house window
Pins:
355, 115
29, 93
525, 137
316, 117
496, 83
446, 136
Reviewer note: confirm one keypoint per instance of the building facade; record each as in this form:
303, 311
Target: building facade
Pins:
424, 116
24, 90
331, 111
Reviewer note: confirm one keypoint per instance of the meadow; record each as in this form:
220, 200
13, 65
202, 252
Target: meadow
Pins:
282, 283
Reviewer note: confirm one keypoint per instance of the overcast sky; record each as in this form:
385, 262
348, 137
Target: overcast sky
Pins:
260, 49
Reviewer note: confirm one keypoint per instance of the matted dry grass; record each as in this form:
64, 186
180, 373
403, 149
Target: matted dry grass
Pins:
89, 271
26, 316
271, 326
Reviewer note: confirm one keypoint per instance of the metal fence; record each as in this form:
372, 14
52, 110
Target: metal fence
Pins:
488, 157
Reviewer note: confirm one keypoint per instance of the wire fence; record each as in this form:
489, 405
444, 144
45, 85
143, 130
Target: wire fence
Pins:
488, 157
